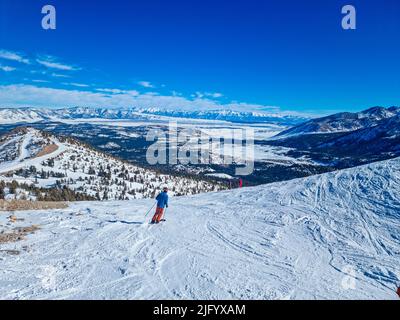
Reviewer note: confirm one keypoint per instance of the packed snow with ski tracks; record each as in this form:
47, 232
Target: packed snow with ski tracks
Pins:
332, 236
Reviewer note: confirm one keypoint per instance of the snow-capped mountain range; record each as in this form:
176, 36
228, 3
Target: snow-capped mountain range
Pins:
40, 159
384, 136
30, 115
347, 139
343, 122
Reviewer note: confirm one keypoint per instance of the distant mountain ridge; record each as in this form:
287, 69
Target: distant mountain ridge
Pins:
347, 139
343, 122
29, 115
384, 137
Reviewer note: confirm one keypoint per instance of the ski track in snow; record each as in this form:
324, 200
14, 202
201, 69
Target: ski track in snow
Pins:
289, 240
24, 159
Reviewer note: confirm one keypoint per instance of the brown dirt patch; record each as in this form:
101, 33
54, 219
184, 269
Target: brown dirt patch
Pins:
47, 150
17, 234
19, 205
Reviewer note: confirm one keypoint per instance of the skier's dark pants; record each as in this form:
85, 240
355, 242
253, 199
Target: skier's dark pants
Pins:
158, 215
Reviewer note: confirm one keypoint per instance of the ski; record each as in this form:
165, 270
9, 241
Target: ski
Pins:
153, 223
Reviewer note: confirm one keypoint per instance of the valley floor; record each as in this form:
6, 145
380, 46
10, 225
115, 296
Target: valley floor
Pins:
332, 236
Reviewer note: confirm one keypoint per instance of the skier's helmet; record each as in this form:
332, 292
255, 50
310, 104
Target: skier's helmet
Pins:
165, 189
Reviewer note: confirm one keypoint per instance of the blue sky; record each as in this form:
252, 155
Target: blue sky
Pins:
248, 55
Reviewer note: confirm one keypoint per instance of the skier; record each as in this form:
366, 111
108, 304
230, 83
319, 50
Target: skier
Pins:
162, 203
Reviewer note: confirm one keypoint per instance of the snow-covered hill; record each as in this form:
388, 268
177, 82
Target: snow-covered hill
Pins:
342, 122
332, 236
24, 147
383, 137
373, 135
40, 159
20, 115
31, 115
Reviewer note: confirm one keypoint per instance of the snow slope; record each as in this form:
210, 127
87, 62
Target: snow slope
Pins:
332, 236
24, 155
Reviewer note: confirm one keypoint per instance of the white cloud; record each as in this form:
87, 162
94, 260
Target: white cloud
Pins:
132, 93
201, 95
118, 91
19, 95
50, 62
7, 68
176, 93
38, 72
13, 56
74, 84
40, 81
59, 75
106, 90
146, 84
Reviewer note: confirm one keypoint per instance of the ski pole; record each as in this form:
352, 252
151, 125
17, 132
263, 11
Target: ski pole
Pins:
165, 212
150, 209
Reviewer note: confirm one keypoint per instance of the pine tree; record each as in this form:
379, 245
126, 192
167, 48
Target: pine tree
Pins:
13, 187
2, 192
